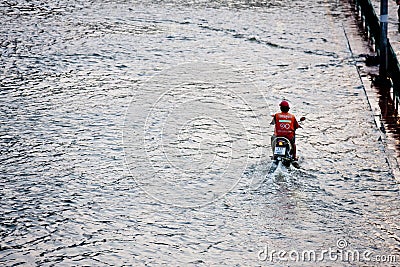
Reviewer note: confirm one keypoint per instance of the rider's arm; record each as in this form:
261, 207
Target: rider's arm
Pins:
296, 124
273, 120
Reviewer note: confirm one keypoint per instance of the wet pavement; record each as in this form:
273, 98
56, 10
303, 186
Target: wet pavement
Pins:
136, 133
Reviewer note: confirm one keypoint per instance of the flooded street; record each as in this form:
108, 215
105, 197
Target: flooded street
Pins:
137, 133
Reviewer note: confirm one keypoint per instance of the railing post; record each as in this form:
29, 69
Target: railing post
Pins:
383, 62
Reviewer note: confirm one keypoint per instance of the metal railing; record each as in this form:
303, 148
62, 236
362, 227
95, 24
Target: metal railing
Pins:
371, 24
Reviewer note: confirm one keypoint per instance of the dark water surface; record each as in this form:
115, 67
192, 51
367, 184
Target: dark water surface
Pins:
136, 133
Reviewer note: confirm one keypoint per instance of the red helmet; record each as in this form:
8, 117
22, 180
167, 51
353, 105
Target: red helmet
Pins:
284, 103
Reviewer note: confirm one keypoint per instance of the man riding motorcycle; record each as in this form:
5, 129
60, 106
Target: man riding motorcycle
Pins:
286, 125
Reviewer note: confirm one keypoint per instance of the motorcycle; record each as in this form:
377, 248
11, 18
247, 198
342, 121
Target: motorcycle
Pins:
282, 151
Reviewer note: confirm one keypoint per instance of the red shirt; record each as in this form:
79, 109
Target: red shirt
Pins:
285, 125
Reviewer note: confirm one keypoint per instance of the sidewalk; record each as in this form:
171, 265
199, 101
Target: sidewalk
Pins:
393, 25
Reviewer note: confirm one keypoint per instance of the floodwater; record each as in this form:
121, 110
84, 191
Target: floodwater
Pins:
137, 133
